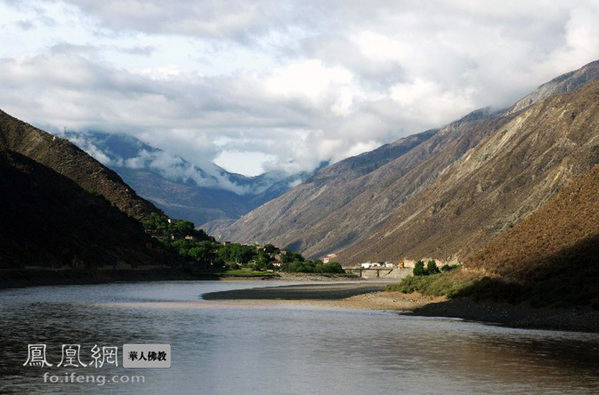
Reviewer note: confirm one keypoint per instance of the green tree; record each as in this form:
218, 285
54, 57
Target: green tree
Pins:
237, 253
202, 252
333, 267
431, 267
271, 249
182, 228
156, 223
419, 269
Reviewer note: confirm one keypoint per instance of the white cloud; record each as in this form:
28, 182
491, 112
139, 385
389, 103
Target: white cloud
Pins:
309, 78
291, 84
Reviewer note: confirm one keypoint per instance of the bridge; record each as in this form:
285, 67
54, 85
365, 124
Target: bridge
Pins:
394, 272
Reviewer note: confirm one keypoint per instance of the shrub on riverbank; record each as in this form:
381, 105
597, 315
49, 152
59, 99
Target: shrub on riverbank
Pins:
315, 266
554, 291
440, 284
431, 268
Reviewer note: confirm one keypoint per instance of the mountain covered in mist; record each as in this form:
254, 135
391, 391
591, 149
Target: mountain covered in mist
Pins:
444, 193
61, 208
68, 160
206, 196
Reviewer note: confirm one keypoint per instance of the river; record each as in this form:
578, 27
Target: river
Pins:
286, 348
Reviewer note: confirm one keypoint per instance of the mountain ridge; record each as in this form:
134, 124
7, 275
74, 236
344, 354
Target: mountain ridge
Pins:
69, 160
510, 175
393, 212
49, 221
180, 188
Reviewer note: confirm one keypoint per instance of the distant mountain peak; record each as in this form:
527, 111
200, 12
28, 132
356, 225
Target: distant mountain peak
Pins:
564, 83
183, 189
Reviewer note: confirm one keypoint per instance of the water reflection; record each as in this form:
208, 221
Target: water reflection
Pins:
284, 349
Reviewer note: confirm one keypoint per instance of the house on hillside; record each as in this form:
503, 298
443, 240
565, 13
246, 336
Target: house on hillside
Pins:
329, 258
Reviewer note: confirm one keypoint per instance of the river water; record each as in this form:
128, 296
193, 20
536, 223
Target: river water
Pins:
229, 348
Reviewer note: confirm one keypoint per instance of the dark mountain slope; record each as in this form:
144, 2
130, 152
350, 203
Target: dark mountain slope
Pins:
568, 220
552, 255
46, 219
68, 160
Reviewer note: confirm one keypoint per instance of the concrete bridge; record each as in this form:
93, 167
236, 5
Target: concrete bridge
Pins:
379, 272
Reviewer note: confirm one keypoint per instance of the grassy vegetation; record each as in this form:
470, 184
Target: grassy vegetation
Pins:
556, 290
453, 281
450, 284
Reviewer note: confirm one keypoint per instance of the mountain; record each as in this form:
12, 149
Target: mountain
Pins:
66, 159
564, 83
446, 193
208, 197
552, 255
48, 220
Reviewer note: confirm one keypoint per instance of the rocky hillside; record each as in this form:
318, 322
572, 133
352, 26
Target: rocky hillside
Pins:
319, 216
447, 193
46, 219
552, 255
566, 229
509, 175
65, 158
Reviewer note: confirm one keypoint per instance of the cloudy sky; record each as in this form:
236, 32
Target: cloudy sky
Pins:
258, 85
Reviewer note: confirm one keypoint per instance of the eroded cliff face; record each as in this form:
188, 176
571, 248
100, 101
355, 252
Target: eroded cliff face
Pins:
550, 258
444, 196
495, 184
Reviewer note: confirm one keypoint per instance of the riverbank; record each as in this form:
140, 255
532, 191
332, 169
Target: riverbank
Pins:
332, 291
516, 316
10, 278
304, 292
369, 295
44, 277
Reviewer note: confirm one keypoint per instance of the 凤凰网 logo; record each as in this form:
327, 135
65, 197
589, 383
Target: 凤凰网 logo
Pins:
134, 356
